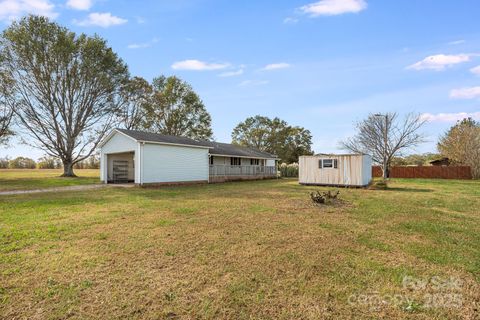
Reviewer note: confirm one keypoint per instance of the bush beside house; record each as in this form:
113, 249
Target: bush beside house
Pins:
289, 170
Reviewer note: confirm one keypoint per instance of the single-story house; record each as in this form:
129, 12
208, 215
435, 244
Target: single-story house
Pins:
150, 158
346, 170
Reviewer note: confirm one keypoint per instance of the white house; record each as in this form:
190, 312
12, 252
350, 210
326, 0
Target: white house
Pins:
150, 158
353, 170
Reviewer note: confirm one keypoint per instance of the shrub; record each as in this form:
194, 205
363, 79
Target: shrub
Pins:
327, 197
289, 170
22, 163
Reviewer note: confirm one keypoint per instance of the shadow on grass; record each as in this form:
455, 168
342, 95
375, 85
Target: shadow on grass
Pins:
408, 189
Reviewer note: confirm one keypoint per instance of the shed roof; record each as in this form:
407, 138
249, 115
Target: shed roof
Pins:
216, 148
340, 154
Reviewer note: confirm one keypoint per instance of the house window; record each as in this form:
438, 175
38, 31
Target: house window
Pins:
255, 162
235, 161
328, 163
211, 160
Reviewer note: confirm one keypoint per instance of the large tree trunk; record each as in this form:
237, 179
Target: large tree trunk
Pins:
385, 171
68, 169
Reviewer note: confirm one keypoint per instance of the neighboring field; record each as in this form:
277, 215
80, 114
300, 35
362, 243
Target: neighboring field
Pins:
248, 250
26, 179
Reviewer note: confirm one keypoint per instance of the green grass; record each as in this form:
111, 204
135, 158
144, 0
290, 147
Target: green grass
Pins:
28, 179
248, 250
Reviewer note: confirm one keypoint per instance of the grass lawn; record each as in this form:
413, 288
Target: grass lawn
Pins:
28, 179
248, 250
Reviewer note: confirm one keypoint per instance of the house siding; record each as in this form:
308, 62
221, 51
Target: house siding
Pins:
270, 163
165, 163
220, 160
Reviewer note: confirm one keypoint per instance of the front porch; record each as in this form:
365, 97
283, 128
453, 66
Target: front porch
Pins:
222, 173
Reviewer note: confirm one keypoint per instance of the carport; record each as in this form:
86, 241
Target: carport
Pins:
121, 167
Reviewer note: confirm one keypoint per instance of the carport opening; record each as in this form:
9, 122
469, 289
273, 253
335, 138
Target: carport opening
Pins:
121, 167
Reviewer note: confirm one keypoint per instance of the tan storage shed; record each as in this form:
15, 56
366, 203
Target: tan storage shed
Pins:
346, 170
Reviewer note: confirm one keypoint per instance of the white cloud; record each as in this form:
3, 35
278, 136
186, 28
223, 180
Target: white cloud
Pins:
14, 9
465, 93
440, 61
79, 4
475, 70
333, 7
276, 66
103, 20
290, 20
139, 45
197, 65
450, 117
140, 20
231, 73
456, 42
253, 83
143, 44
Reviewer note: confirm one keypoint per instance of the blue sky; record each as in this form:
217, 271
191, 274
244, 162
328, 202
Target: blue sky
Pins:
322, 65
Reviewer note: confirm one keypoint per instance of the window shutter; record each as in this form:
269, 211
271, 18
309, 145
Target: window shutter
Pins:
335, 163
320, 166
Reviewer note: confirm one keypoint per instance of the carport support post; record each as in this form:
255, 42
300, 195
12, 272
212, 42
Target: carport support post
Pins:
103, 168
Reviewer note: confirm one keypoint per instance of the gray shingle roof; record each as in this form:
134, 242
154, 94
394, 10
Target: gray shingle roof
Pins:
216, 148
238, 151
156, 137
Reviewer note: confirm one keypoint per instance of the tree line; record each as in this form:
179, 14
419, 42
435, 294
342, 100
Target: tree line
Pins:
92, 162
67, 90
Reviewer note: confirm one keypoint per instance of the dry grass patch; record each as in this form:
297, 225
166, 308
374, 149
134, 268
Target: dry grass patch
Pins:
234, 251
29, 179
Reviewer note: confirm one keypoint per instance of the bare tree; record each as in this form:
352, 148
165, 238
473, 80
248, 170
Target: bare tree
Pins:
135, 95
64, 87
6, 109
6, 114
385, 136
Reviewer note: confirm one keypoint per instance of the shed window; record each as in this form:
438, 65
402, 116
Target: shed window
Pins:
211, 160
328, 163
235, 161
254, 162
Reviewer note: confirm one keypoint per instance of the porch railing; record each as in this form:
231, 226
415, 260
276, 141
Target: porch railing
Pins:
226, 170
